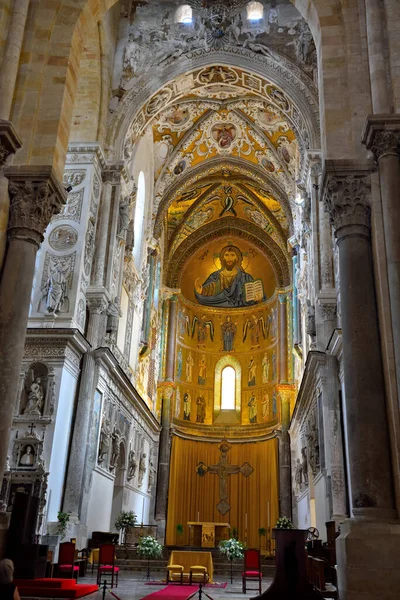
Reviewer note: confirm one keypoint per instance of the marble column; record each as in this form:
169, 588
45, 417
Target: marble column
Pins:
285, 487
347, 198
283, 338
75, 485
35, 196
171, 339
334, 447
382, 136
111, 178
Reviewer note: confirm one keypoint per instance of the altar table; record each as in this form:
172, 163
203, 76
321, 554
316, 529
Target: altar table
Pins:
189, 559
206, 534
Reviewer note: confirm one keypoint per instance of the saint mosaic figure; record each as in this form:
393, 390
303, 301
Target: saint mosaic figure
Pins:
265, 406
226, 287
178, 403
228, 329
189, 367
265, 368
202, 370
252, 404
186, 406
251, 369
201, 409
179, 364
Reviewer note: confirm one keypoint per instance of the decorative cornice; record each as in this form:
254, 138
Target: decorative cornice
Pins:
10, 142
112, 174
36, 195
86, 152
381, 135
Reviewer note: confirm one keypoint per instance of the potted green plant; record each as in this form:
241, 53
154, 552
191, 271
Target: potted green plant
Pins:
124, 522
179, 531
62, 527
262, 532
232, 549
148, 547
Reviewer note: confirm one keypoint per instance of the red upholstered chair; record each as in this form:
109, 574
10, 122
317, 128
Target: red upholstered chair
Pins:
252, 568
107, 563
66, 561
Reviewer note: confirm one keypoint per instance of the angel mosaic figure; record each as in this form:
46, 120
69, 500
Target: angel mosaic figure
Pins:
204, 326
256, 327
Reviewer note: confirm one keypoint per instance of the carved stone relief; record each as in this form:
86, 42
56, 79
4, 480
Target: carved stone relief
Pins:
57, 282
63, 237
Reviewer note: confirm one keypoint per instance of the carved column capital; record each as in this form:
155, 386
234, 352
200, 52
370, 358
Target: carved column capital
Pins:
381, 135
9, 141
112, 174
328, 310
35, 196
347, 200
98, 305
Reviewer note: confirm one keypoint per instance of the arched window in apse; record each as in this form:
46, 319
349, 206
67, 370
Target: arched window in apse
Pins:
228, 388
184, 14
255, 11
138, 225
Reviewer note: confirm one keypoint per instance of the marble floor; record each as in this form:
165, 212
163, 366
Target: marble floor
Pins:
132, 587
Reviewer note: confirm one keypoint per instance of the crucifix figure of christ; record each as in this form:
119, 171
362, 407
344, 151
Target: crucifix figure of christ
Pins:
224, 469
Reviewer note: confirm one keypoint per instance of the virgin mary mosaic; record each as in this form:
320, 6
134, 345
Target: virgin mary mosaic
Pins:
231, 285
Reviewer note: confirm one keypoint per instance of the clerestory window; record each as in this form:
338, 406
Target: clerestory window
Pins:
228, 388
255, 11
184, 14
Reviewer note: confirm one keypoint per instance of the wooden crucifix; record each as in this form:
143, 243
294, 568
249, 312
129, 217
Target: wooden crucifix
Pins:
224, 469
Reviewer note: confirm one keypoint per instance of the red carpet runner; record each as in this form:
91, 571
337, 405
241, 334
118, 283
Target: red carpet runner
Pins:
174, 591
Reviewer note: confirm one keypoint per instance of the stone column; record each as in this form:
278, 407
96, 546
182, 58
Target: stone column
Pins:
382, 136
347, 199
285, 487
164, 457
75, 485
35, 196
283, 338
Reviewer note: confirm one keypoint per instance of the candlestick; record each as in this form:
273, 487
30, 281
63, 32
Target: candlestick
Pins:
268, 514
198, 516
142, 510
245, 521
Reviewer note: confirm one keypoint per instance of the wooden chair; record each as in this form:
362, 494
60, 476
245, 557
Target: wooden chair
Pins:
252, 569
66, 561
107, 563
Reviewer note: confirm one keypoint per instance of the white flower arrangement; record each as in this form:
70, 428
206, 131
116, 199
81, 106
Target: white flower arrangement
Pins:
284, 523
232, 549
149, 547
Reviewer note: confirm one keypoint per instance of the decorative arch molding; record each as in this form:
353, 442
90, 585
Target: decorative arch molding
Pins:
227, 361
273, 69
240, 228
242, 171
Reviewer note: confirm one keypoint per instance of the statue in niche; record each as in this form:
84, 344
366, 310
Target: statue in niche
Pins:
201, 409
252, 405
35, 398
55, 290
104, 444
265, 368
229, 286
27, 456
202, 370
152, 475
179, 364
203, 326
298, 475
142, 468
265, 406
186, 406
132, 465
115, 448
304, 465
313, 448
228, 329
251, 372
189, 367
178, 403
256, 327
124, 215
311, 327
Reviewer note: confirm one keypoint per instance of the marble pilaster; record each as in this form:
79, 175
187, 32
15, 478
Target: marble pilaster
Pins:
347, 198
283, 338
285, 488
164, 456
35, 196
